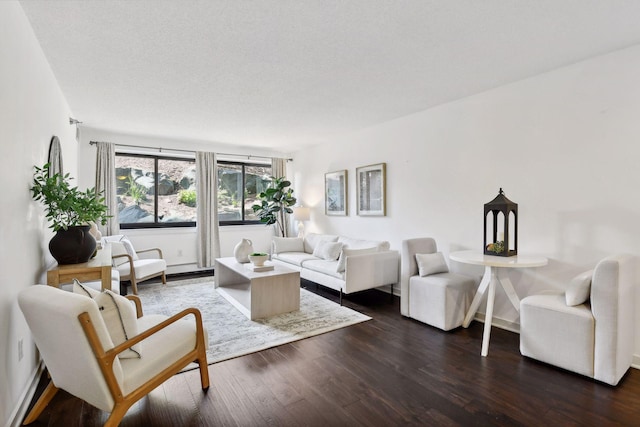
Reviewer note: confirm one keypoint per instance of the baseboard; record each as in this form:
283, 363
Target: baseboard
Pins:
635, 363
18, 414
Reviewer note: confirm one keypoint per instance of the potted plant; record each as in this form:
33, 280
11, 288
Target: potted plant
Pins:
70, 212
275, 202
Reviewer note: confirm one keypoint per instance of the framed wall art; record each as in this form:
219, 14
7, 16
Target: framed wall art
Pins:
335, 193
371, 190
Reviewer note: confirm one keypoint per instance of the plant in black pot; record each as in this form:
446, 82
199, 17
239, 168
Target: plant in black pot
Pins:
69, 212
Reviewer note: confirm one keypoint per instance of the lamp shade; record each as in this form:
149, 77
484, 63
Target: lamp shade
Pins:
301, 213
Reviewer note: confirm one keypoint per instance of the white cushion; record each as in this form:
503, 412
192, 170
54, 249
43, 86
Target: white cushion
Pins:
121, 238
431, 264
288, 244
348, 242
312, 239
295, 258
323, 266
119, 315
143, 268
579, 289
329, 251
118, 248
342, 261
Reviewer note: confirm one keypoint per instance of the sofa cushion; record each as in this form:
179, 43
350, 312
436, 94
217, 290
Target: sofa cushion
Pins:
431, 264
579, 289
342, 261
295, 258
329, 251
324, 267
348, 242
124, 240
312, 239
288, 244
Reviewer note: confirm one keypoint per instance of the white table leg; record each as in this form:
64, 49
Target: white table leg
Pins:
509, 290
486, 336
477, 299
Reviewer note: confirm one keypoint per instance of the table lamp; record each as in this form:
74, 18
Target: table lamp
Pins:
301, 214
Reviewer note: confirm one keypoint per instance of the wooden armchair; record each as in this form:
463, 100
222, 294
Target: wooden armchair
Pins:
81, 358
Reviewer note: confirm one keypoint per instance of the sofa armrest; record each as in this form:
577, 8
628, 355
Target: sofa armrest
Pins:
368, 271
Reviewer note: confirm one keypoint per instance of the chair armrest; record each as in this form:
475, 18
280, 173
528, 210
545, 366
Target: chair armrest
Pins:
152, 250
129, 258
138, 303
368, 271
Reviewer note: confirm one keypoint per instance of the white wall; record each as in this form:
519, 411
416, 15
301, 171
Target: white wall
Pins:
178, 244
563, 145
32, 110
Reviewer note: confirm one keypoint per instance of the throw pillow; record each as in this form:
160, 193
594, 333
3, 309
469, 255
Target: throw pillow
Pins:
329, 251
579, 289
342, 261
119, 316
121, 238
288, 244
117, 248
431, 264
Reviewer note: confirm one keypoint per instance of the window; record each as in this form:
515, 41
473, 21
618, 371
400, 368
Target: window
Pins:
155, 191
238, 186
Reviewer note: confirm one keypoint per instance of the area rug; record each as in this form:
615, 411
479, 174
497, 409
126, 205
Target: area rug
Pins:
231, 334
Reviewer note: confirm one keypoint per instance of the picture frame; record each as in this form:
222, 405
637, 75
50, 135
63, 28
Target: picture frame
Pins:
371, 190
335, 193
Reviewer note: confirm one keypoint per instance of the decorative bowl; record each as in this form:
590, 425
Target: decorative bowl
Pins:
258, 258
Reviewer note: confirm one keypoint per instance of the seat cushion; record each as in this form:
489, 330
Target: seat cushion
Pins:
440, 300
323, 266
143, 268
160, 349
295, 258
554, 333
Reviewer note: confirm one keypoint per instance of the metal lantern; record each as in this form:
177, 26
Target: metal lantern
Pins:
501, 237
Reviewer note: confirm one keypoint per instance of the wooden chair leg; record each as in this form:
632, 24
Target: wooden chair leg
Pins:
118, 413
42, 403
164, 278
204, 369
134, 285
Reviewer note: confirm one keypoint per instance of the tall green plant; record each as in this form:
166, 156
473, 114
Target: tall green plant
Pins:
66, 206
275, 203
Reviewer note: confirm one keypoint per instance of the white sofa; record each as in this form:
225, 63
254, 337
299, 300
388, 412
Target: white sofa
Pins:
338, 262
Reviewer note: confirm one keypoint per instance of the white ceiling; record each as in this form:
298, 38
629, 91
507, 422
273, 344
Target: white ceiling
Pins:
285, 74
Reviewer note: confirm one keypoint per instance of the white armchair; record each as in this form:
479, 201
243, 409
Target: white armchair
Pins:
79, 353
131, 266
430, 293
590, 328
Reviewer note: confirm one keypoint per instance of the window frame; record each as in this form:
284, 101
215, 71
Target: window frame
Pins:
156, 223
243, 165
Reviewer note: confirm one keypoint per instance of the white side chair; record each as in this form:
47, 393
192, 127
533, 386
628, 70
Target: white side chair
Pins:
131, 266
590, 329
434, 295
80, 356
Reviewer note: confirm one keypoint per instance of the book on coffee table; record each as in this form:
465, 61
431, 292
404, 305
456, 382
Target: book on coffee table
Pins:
256, 268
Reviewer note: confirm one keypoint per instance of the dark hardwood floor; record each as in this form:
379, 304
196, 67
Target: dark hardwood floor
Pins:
385, 372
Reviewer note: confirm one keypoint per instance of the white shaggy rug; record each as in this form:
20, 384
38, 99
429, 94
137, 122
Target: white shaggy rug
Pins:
231, 334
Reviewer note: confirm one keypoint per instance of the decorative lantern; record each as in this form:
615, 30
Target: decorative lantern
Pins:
501, 227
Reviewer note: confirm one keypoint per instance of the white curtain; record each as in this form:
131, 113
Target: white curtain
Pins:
106, 183
279, 170
207, 209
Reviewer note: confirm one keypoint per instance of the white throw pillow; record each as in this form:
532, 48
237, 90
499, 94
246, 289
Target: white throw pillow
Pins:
118, 248
579, 289
342, 262
288, 244
431, 264
329, 251
119, 315
121, 238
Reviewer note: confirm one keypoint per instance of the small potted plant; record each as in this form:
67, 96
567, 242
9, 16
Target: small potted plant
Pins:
70, 212
258, 258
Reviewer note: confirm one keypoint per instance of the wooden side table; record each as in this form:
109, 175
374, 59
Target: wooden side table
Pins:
99, 267
493, 276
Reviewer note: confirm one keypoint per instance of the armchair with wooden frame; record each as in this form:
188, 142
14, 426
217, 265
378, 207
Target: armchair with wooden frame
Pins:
81, 358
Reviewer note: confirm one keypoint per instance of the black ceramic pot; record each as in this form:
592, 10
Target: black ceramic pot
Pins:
73, 245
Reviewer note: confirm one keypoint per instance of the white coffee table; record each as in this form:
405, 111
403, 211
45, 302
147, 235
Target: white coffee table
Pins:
257, 294
493, 275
